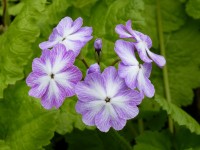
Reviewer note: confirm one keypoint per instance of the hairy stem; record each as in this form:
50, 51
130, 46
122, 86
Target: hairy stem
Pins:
165, 72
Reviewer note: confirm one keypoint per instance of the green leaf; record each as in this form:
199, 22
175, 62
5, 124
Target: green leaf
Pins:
182, 54
193, 8
173, 17
15, 43
3, 145
69, 118
186, 140
25, 125
153, 141
90, 140
179, 115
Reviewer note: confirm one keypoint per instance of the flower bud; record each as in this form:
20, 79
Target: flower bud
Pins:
98, 45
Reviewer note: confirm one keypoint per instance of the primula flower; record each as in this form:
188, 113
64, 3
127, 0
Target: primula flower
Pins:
54, 76
136, 75
142, 43
70, 33
104, 100
98, 45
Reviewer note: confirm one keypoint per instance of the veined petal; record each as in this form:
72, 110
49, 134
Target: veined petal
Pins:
81, 35
125, 110
102, 119
64, 26
91, 89
127, 96
129, 73
122, 31
77, 24
146, 69
141, 48
93, 68
113, 83
158, 59
61, 59
68, 79
125, 50
74, 46
54, 96
39, 84
41, 66
145, 85
89, 110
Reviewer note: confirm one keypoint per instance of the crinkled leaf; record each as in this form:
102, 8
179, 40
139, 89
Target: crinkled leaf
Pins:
25, 125
15, 43
193, 8
153, 141
179, 115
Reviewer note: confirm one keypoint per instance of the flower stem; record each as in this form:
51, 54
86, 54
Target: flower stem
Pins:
5, 15
165, 72
115, 62
85, 63
141, 125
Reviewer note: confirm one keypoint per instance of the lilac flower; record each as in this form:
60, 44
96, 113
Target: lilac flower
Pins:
93, 68
98, 45
70, 33
135, 74
54, 76
104, 100
142, 43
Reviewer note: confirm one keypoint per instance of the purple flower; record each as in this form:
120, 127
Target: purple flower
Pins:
54, 76
104, 100
98, 45
94, 68
142, 43
70, 33
135, 74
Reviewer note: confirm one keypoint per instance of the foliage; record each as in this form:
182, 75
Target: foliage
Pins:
25, 125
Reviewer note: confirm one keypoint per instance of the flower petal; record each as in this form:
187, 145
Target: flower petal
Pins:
89, 110
38, 84
125, 50
142, 51
146, 69
54, 96
113, 83
125, 111
102, 119
64, 26
122, 31
68, 80
158, 59
145, 85
81, 35
129, 73
61, 59
127, 96
93, 68
91, 89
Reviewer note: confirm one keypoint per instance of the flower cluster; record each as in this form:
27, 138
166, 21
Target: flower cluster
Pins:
54, 76
105, 99
136, 75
